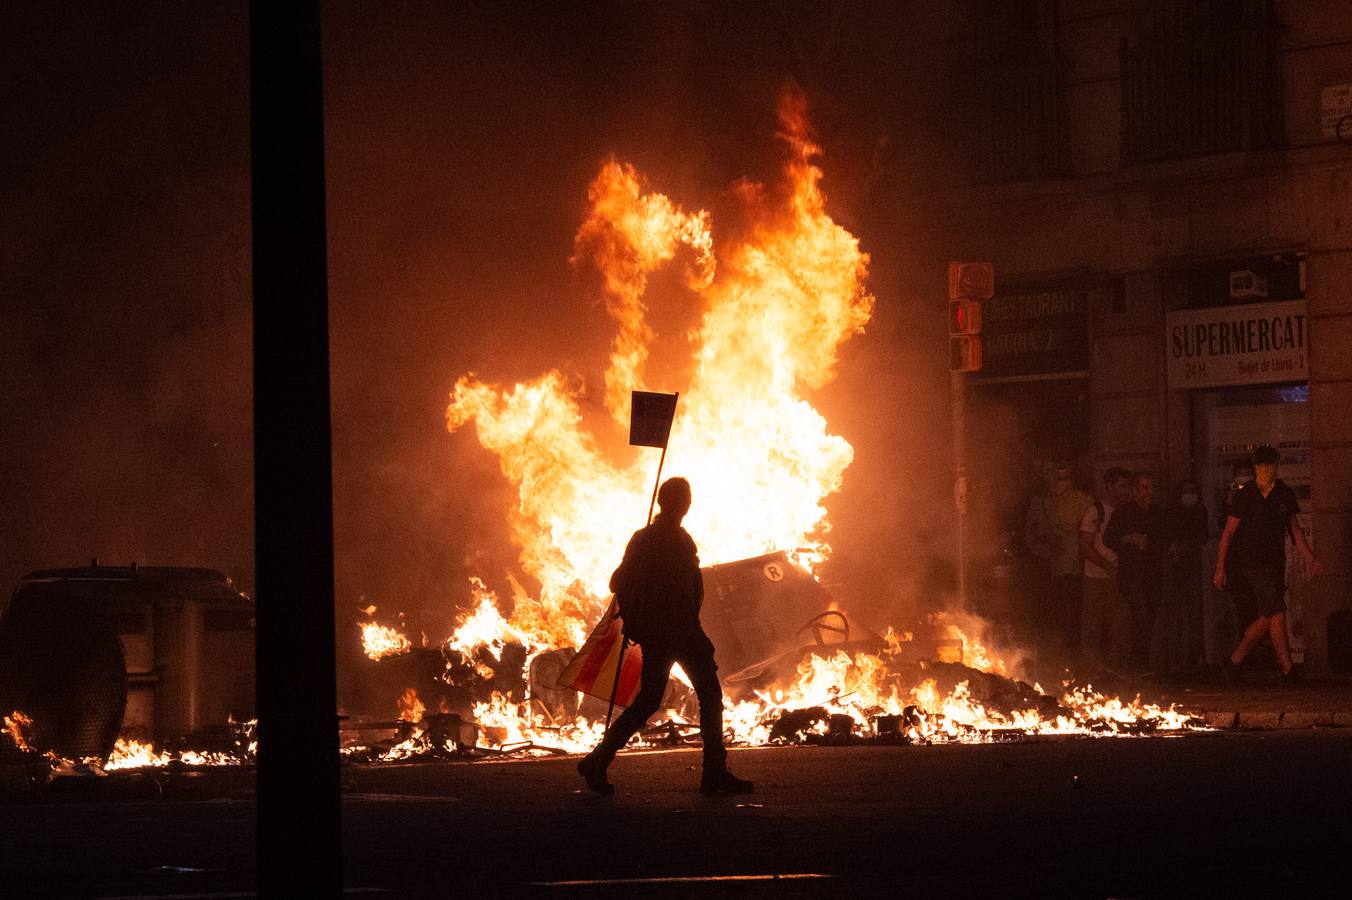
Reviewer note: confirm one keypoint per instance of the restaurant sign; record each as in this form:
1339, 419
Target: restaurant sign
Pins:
1256, 343
1034, 333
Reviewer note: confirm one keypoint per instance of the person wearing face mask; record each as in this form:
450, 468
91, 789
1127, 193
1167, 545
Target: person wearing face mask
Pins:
1251, 561
1051, 532
1187, 531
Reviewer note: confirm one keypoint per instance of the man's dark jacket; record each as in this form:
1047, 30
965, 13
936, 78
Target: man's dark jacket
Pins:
1134, 565
658, 584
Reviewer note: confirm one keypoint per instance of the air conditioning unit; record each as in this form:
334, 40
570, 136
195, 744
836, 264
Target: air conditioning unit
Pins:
1244, 284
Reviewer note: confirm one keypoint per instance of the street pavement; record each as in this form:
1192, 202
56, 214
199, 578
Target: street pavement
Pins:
1214, 813
1261, 701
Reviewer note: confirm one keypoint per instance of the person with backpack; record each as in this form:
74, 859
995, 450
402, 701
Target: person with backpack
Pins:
1105, 622
660, 591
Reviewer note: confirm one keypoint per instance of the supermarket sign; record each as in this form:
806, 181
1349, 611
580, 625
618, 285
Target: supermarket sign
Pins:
1255, 343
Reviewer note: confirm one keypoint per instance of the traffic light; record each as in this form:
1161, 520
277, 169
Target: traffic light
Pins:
968, 284
964, 317
964, 353
971, 281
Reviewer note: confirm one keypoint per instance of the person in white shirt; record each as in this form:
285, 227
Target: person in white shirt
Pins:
1105, 624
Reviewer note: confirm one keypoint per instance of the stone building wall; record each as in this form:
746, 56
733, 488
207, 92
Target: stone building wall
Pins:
1144, 225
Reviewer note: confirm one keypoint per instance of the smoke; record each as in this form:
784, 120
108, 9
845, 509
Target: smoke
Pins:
125, 279
460, 143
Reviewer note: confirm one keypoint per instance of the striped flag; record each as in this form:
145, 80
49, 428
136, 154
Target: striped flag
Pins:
592, 671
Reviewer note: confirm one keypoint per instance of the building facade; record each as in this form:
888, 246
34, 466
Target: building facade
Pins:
1165, 189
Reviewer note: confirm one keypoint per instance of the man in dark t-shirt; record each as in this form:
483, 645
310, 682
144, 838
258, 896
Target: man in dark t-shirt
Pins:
1136, 534
1251, 560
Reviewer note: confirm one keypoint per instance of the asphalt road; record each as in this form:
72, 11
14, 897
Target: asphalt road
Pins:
1211, 814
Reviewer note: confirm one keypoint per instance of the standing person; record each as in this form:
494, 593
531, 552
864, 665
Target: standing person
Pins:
1187, 531
1105, 623
1136, 535
1051, 532
660, 591
1262, 515
1221, 628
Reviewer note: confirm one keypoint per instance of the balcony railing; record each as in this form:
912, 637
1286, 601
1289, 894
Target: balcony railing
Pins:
1026, 137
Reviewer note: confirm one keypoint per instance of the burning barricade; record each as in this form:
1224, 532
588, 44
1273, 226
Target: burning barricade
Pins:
802, 675
776, 297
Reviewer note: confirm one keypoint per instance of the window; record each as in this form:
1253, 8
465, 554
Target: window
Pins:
1020, 88
1205, 78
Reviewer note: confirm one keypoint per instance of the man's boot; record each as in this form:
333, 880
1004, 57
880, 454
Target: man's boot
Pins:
592, 768
721, 781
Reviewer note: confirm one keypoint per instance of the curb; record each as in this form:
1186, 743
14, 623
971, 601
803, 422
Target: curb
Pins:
1262, 721
1287, 720
1222, 720
1293, 719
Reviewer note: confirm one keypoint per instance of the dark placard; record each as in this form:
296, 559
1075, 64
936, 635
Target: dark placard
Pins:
650, 418
1035, 333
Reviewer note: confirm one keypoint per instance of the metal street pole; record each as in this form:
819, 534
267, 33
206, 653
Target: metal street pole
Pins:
299, 828
958, 397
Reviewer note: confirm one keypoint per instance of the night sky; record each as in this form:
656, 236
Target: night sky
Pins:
460, 142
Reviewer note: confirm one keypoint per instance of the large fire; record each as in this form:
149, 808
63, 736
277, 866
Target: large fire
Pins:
776, 301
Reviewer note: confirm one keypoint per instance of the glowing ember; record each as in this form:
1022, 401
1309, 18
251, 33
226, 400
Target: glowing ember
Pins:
411, 709
16, 723
380, 641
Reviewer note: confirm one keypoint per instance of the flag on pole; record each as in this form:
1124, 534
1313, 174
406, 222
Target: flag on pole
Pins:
650, 418
592, 671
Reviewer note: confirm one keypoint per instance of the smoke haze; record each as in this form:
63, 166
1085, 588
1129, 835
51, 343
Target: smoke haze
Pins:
460, 143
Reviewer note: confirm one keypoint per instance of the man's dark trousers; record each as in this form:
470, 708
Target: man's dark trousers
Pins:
695, 652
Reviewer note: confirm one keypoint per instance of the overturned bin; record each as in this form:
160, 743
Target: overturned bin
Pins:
153, 653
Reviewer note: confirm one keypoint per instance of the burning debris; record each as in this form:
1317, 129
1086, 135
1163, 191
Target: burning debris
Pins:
24, 768
777, 298
381, 641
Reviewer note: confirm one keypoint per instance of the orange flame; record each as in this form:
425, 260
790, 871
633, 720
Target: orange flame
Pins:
411, 709
16, 723
776, 302
379, 641
786, 295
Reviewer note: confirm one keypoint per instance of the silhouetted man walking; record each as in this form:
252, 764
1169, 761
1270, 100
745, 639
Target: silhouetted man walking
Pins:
660, 591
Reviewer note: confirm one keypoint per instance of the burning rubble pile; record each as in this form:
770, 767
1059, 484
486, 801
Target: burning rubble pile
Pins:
236, 746
775, 302
835, 696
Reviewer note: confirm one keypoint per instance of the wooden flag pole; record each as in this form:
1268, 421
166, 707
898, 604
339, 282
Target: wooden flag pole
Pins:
614, 688
658, 483
624, 641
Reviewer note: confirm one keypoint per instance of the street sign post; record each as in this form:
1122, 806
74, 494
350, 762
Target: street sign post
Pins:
968, 284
